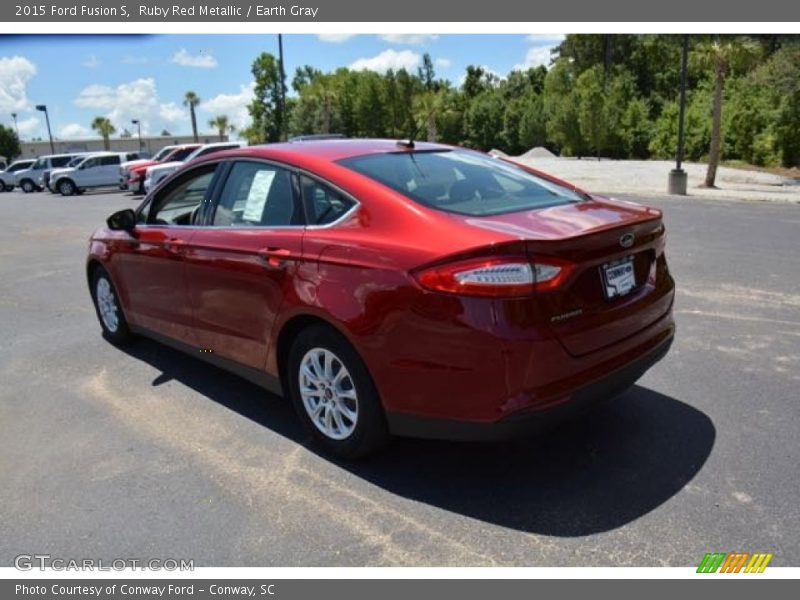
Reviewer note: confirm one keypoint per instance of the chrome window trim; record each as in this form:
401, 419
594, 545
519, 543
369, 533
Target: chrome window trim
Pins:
291, 168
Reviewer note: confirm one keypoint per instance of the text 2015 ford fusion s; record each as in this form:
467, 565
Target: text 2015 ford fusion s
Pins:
392, 288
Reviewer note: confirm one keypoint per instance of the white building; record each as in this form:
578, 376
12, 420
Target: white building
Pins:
151, 144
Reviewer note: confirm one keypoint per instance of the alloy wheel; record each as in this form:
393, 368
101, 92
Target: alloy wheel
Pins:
328, 393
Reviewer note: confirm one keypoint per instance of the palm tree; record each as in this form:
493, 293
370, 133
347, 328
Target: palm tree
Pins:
722, 57
222, 125
104, 127
429, 107
191, 100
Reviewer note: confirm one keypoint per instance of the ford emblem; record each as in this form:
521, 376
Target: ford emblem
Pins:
626, 240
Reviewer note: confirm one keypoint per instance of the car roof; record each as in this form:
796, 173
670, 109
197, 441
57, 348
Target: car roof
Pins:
331, 150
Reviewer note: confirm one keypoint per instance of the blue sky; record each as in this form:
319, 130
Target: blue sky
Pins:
144, 77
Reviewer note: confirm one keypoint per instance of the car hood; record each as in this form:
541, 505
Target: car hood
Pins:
139, 165
63, 171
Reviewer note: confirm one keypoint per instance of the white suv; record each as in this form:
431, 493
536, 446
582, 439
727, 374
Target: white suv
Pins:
156, 173
97, 170
8, 177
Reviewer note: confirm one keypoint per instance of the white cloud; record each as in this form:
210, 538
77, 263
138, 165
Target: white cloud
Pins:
73, 130
534, 58
409, 39
91, 62
204, 60
442, 62
15, 73
388, 59
234, 106
546, 39
28, 126
136, 99
335, 38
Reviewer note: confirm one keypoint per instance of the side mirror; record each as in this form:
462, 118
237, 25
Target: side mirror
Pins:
122, 220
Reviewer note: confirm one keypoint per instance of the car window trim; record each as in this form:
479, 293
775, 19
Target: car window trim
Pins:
149, 200
297, 172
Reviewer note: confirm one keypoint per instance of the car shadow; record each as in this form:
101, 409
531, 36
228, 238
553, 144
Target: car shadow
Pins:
593, 474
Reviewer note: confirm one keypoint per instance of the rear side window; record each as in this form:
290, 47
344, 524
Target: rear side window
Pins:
60, 161
258, 195
461, 182
323, 204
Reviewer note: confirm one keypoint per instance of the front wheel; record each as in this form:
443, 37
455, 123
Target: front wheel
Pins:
108, 308
66, 187
334, 395
27, 186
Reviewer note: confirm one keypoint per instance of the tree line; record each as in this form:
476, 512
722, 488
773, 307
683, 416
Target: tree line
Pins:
601, 95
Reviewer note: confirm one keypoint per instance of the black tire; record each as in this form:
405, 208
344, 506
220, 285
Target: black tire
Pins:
370, 432
9, 188
140, 190
27, 186
121, 334
66, 187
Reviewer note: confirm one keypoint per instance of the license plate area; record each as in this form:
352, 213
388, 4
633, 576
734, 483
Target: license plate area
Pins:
619, 277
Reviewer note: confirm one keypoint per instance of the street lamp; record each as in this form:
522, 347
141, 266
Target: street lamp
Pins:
138, 124
14, 116
43, 108
677, 177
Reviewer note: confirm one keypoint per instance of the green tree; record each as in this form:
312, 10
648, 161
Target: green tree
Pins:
191, 100
266, 109
9, 142
590, 98
222, 124
104, 127
560, 106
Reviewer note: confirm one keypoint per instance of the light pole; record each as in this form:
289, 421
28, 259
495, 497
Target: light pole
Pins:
138, 124
283, 87
43, 108
677, 177
16, 129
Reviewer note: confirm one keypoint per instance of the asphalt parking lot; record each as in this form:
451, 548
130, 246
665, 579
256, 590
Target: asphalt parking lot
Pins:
147, 453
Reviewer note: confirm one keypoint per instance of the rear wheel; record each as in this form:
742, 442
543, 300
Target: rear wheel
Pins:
108, 308
66, 187
334, 395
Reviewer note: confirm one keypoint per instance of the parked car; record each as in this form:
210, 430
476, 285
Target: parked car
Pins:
97, 170
154, 174
8, 176
134, 175
126, 166
55, 173
32, 179
392, 288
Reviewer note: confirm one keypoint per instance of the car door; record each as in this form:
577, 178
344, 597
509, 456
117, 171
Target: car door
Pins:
240, 267
151, 263
108, 173
86, 174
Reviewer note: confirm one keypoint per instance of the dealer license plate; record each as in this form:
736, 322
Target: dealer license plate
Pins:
619, 277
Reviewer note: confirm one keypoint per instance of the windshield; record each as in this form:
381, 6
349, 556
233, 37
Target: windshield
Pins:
461, 182
75, 161
163, 153
39, 164
181, 153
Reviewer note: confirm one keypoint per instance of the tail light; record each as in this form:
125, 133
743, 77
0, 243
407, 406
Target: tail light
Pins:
495, 277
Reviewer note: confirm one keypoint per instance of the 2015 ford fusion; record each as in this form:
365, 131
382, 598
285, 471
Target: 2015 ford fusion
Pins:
392, 288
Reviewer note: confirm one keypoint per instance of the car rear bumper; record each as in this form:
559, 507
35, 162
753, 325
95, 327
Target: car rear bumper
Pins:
527, 422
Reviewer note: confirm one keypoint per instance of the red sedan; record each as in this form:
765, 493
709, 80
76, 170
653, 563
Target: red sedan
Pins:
136, 173
391, 287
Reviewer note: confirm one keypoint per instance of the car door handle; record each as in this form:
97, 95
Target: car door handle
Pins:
174, 245
274, 258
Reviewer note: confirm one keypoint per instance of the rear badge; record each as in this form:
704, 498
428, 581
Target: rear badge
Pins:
626, 240
567, 315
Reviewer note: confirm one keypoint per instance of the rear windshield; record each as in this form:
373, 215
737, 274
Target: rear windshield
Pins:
461, 182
